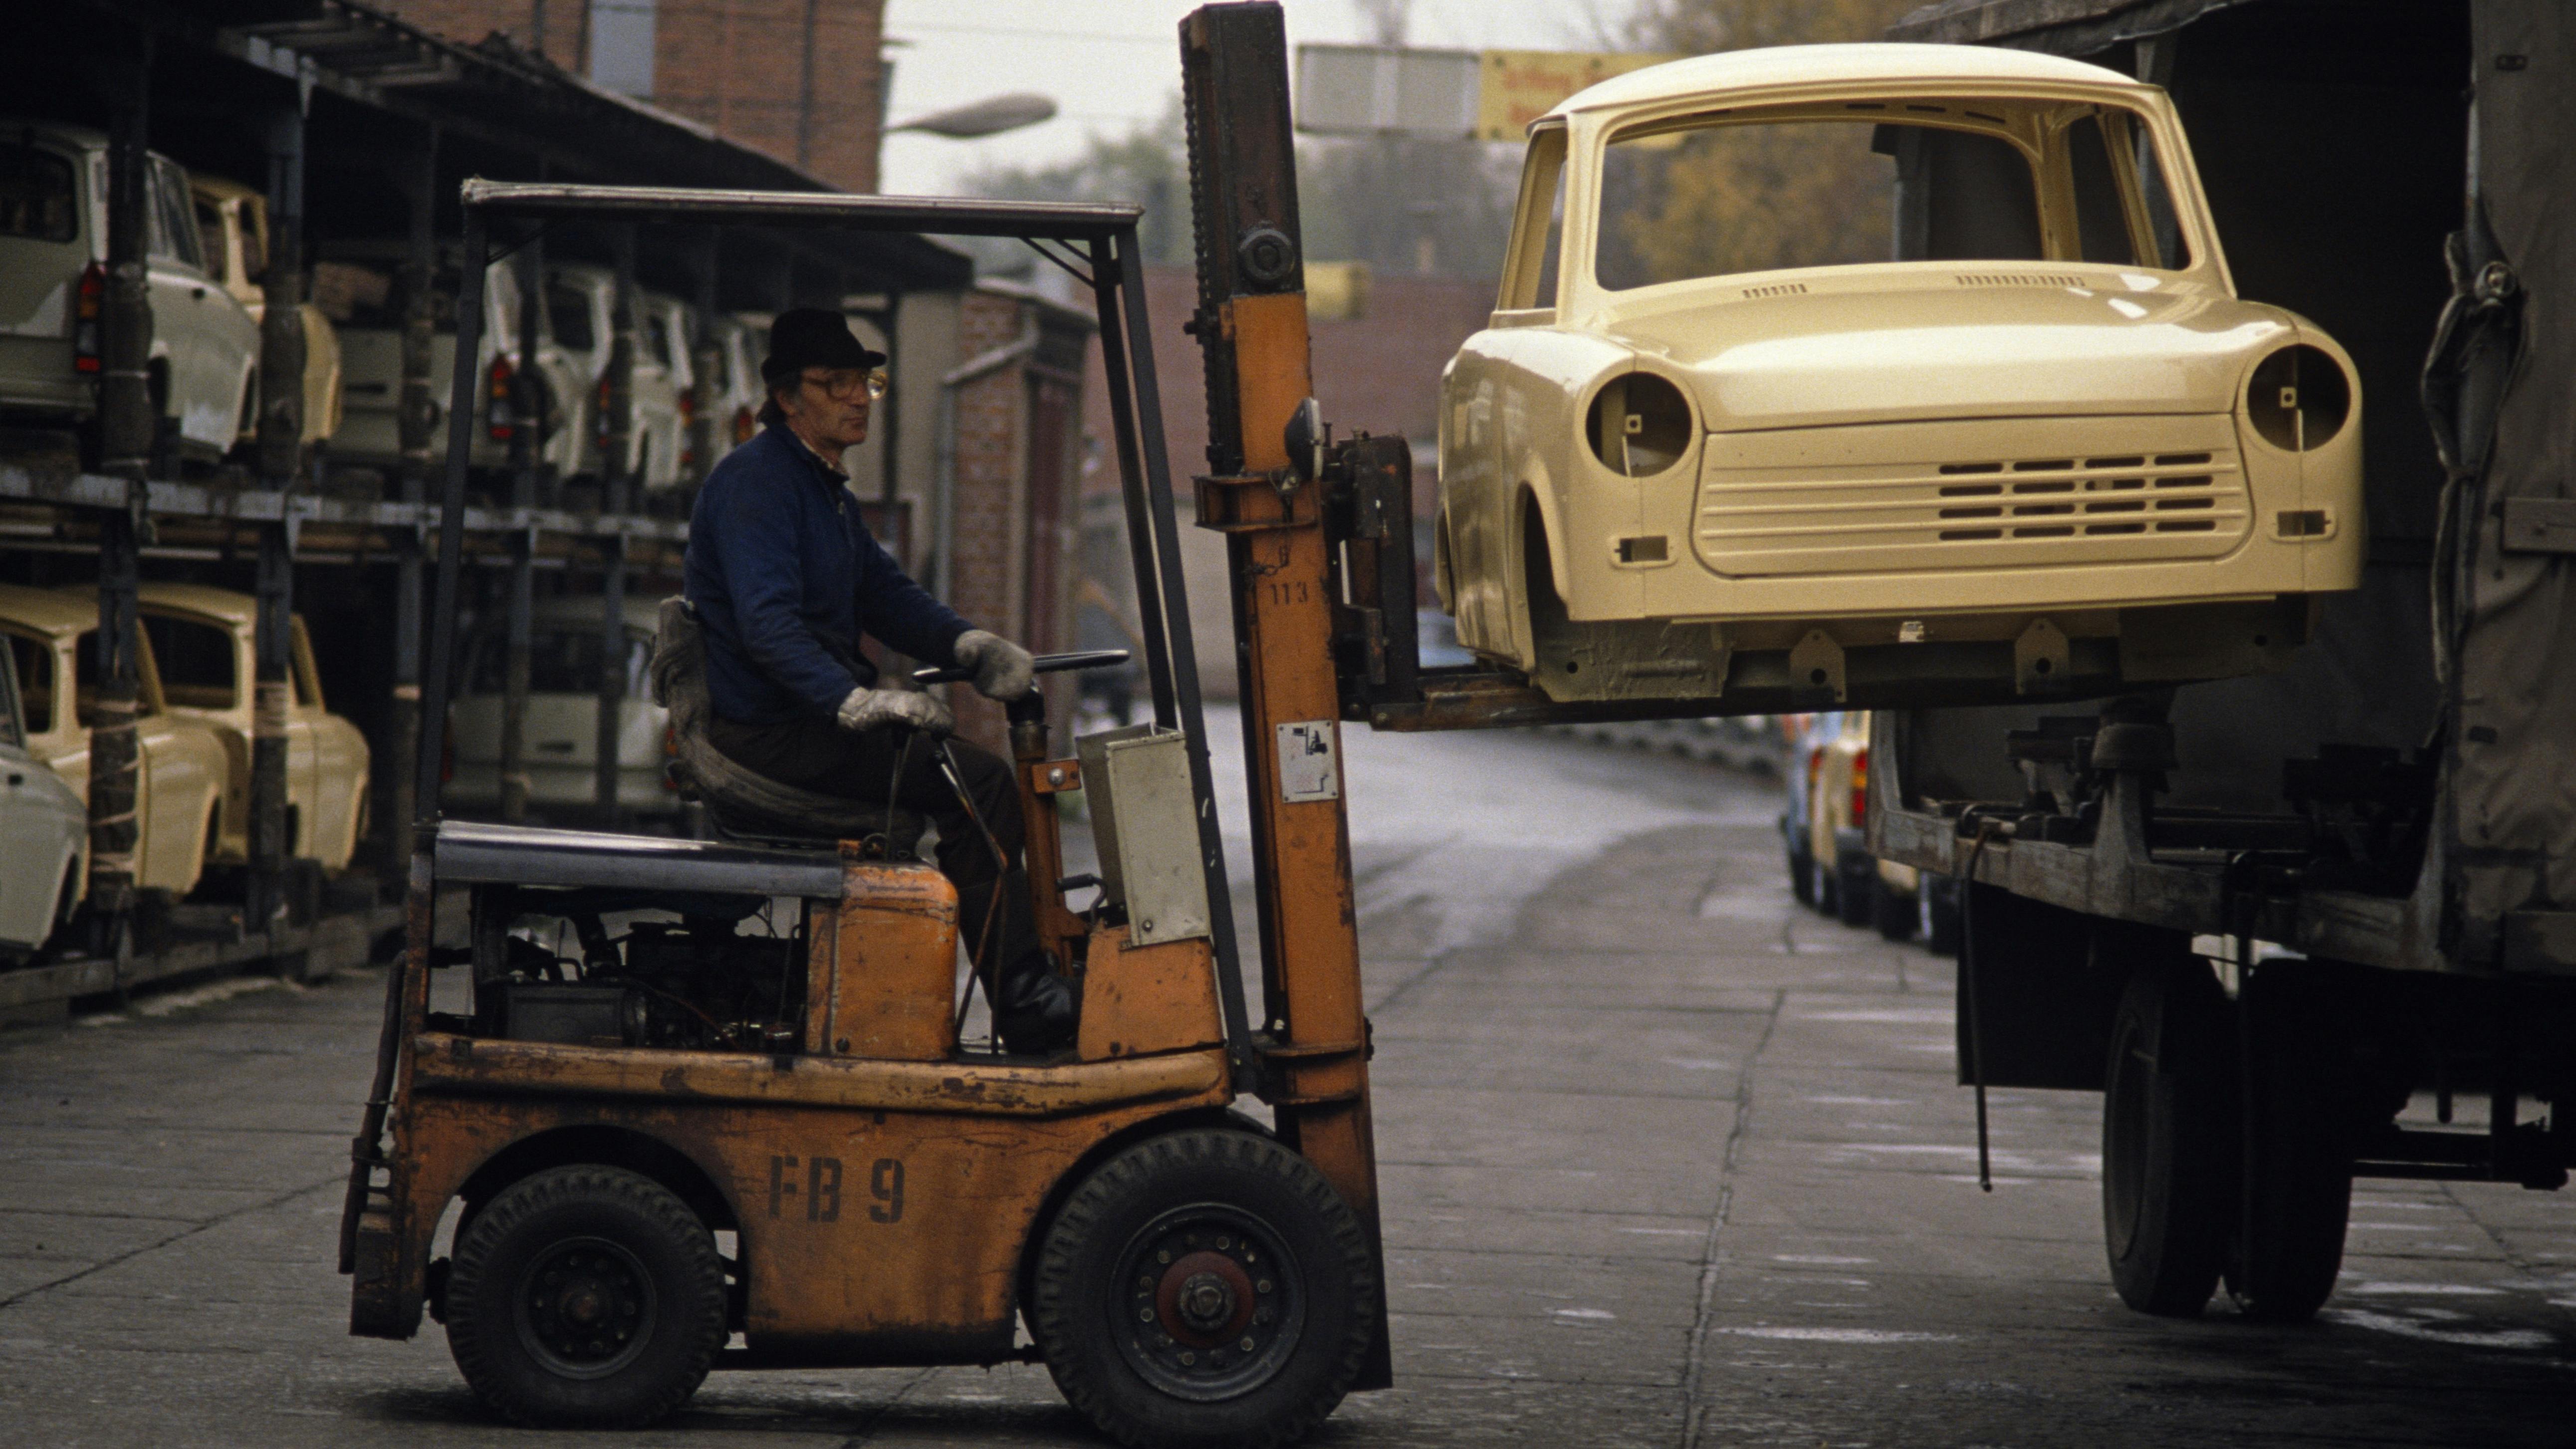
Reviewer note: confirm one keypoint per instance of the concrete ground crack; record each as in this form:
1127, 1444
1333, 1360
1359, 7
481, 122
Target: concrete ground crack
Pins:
14, 1299
868, 1429
1692, 1410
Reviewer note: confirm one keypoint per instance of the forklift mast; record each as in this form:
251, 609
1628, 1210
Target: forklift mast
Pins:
1272, 508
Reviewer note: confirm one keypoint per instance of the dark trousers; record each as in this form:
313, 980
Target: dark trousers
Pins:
867, 765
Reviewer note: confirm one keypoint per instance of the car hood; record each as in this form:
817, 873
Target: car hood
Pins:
1958, 349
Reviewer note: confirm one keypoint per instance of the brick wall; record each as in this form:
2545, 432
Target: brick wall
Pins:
735, 65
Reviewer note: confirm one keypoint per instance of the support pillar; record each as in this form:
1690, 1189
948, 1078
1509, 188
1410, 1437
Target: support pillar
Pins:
270, 696
418, 428
612, 678
709, 434
281, 449
524, 471
128, 416
115, 758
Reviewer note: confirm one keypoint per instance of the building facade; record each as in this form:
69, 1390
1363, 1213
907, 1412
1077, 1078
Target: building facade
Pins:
800, 80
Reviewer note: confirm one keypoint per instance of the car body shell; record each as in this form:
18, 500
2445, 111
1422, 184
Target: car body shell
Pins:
560, 732
179, 799
233, 221
734, 395
44, 832
205, 346
371, 365
1828, 407
326, 757
653, 427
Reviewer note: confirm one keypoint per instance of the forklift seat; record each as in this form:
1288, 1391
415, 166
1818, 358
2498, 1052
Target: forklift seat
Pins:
744, 806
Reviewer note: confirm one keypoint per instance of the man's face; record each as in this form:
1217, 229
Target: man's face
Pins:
829, 407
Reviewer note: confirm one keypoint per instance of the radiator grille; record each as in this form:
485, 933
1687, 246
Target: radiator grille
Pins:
1853, 517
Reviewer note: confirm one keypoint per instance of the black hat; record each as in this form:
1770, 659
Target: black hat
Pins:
804, 337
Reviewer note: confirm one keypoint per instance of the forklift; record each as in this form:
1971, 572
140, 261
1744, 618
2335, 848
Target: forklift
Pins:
709, 1105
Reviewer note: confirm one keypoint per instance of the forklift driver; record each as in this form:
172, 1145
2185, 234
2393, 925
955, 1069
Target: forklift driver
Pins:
785, 578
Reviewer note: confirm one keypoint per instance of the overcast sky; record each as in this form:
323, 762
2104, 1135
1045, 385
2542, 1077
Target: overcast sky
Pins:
1110, 63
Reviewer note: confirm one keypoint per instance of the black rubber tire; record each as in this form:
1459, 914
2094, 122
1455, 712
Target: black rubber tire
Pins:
1894, 912
557, 1221
1802, 876
1086, 1315
2169, 1140
2299, 1197
1855, 888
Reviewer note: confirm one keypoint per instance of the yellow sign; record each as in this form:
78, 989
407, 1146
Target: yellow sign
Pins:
1519, 86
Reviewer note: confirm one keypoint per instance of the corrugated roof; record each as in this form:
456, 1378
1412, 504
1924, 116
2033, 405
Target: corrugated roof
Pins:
2057, 27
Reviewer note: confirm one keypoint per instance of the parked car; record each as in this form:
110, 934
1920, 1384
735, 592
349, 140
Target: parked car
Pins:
1714, 430
561, 732
361, 288
179, 797
53, 285
1826, 829
232, 222
44, 832
201, 642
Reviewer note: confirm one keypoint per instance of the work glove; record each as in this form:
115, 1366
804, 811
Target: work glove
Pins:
867, 709
1002, 668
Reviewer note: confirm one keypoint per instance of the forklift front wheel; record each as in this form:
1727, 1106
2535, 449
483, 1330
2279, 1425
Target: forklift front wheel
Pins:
586, 1296
1205, 1287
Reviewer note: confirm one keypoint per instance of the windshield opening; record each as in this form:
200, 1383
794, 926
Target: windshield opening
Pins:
1930, 180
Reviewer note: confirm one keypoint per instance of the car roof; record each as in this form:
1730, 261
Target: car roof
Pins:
47, 611
80, 138
1801, 65
204, 599
220, 188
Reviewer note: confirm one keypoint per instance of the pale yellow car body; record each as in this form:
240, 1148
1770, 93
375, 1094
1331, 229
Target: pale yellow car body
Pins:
178, 800
326, 757
1804, 511
234, 221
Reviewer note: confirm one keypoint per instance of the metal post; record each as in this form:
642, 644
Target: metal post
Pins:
418, 429
128, 417
281, 446
704, 428
440, 665
269, 847
619, 480
612, 676
281, 328
115, 759
526, 382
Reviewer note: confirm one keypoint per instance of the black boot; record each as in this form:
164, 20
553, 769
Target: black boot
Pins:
1035, 1011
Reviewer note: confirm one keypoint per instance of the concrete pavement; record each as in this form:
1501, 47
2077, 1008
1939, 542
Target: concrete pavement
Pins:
1666, 1161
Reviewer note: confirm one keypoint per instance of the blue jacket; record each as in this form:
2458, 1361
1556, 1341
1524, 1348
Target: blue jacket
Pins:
785, 578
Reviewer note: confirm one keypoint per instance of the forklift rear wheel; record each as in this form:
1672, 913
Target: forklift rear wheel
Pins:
2168, 1135
1205, 1287
586, 1296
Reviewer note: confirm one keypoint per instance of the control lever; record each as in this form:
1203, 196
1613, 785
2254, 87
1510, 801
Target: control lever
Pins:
1042, 664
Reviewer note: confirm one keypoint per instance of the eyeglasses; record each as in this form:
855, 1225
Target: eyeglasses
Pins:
843, 384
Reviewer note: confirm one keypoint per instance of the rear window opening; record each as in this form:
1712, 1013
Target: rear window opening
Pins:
37, 198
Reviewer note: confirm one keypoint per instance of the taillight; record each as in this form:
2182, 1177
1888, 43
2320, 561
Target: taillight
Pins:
500, 419
87, 308
688, 427
1860, 786
745, 423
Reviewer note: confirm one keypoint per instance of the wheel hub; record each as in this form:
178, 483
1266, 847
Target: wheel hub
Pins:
585, 1308
1210, 1307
